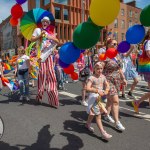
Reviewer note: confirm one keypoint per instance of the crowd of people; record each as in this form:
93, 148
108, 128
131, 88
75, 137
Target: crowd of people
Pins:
101, 80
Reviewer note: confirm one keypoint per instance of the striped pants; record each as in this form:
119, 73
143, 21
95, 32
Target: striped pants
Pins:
47, 80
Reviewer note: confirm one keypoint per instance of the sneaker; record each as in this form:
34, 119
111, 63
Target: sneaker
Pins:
135, 106
27, 98
66, 81
119, 126
21, 98
124, 97
84, 103
106, 136
130, 94
89, 127
108, 118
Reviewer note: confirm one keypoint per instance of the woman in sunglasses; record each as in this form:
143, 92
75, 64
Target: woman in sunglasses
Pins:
22, 70
114, 76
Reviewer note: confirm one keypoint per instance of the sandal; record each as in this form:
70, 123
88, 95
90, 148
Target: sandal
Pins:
89, 127
106, 136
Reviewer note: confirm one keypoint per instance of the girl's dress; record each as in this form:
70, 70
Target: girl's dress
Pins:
112, 73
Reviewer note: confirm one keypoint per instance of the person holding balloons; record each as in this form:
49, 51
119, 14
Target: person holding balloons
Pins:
46, 43
114, 76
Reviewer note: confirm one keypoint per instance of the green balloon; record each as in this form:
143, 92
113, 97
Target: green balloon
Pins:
90, 20
145, 16
86, 35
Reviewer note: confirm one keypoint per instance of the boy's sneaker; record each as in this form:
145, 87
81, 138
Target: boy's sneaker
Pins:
124, 97
135, 106
27, 98
119, 126
89, 127
84, 103
130, 94
21, 98
108, 118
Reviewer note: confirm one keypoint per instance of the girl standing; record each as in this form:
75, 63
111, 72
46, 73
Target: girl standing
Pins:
95, 85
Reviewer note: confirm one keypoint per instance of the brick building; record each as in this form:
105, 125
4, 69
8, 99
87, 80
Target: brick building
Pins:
69, 13
128, 16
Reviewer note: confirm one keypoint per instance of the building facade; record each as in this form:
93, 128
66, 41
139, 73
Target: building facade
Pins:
69, 13
128, 16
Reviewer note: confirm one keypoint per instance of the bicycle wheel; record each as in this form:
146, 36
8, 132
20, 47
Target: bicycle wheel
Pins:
1, 127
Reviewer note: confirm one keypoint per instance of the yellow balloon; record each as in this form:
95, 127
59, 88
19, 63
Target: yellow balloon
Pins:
104, 12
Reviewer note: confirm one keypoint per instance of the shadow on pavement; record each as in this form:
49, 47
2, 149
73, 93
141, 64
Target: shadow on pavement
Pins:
64, 102
71, 125
6, 146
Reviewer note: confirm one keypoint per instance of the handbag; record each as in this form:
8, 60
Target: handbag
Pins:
22, 71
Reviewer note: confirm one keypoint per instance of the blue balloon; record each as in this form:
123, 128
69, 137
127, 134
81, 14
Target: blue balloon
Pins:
62, 64
69, 53
83, 50
21, 1
135, 34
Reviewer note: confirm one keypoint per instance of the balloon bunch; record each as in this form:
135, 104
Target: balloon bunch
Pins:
16, 12
134, 35
87, 34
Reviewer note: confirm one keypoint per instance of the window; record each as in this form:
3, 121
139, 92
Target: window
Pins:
136, 15
66, 14
122, 12
122, 36
130, 23
122, 24
57, 13
46, 2
130, 13
116, 23
115, 35
37, 3
65, 2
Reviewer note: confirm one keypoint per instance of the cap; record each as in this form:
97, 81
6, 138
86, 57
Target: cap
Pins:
46, 19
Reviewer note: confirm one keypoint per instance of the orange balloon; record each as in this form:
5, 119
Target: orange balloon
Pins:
102, 57
74, 76
111, 53
69, 70
13, 21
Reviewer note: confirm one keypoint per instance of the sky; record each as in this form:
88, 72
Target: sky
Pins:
7, 4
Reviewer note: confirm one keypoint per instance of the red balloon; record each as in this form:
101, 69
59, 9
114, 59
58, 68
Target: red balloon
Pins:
74, 76
102, 57
69, 70
17, 11
111, 53
13, 21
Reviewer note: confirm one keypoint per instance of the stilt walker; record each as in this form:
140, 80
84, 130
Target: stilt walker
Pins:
46, 77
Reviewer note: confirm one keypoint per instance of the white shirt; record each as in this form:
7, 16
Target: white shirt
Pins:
101, 50
47, 46
147, 45
22, 62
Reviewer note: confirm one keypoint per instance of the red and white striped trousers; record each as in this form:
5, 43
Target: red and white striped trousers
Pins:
47, 80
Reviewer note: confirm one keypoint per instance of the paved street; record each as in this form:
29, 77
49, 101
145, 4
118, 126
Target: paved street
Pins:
30, 126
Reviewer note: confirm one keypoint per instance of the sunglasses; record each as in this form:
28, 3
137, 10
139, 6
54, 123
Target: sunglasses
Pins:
115, 44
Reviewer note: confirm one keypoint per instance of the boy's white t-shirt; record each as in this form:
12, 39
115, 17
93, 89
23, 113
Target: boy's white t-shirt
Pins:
147, 46
22, 62
46, 47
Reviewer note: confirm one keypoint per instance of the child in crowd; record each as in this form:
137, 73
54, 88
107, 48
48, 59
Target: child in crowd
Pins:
1, 74
95, 85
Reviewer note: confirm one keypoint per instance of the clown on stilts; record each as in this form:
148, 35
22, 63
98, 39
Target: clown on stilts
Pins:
46, 42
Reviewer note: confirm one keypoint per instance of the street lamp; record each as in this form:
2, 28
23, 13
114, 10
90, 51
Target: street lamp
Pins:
83, 9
